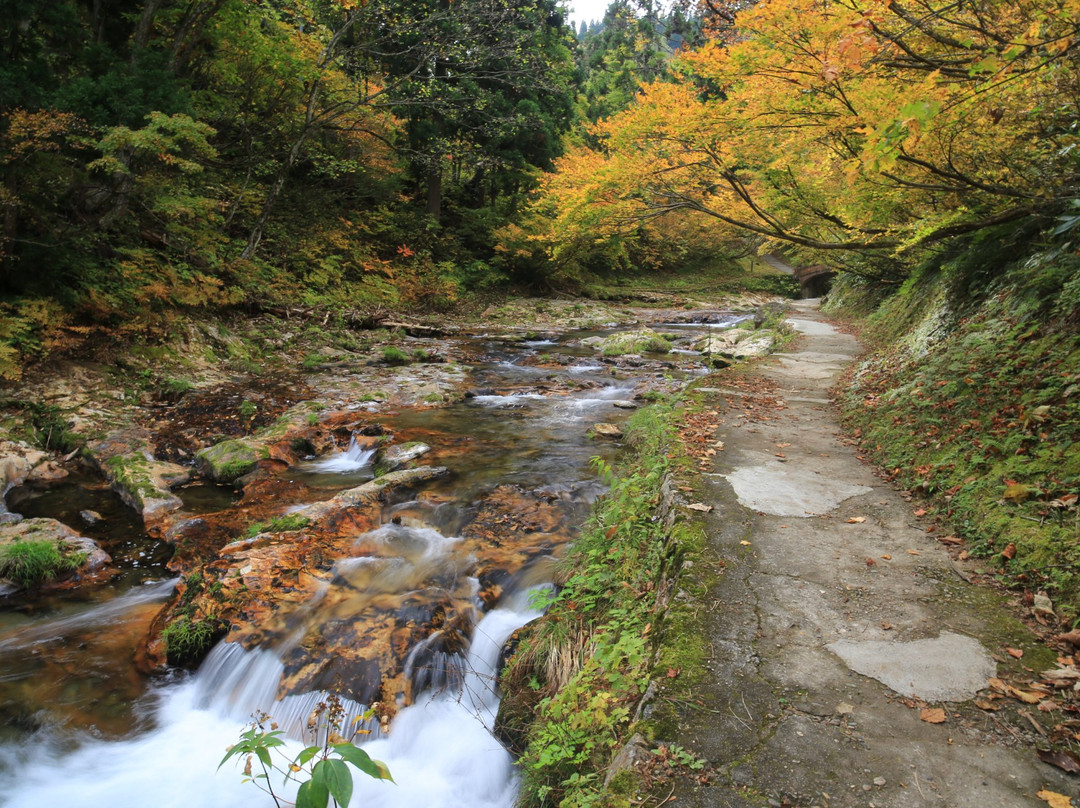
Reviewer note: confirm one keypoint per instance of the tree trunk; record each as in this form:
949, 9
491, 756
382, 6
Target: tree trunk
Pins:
145, 26
434, 193
11, 222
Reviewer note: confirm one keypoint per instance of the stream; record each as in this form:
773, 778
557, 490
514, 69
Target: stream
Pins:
79, 726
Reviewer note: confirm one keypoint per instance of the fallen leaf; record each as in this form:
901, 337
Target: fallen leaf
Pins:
998, 684
1025, 696
933, 715
983, 704
744, 543
1018, 492
920, 512
1014, 652
950, 540
887, 557
1071, 637
886, 626
856, 520
1009, 553
870, 562
913, 552
1055, 800
672, 673
699, 506
1048, 706
782, 445
1064, 759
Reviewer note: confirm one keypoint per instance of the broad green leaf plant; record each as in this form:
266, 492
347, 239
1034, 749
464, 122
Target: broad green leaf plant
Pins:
322, 769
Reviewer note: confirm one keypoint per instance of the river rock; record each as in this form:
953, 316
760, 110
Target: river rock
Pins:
143, 482
229, 460
721, 342
50, 530
392, 458
47, 473
758, 344
17, 459
91, 517
642, 340
606, 431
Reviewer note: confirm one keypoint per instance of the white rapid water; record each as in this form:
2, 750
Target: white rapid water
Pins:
440, 751
352, 459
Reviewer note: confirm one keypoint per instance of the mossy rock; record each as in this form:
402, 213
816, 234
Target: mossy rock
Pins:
36, 551
392, 458
229, 460
634, 342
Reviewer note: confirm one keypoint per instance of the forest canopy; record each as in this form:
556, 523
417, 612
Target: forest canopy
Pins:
840, 129
159, 156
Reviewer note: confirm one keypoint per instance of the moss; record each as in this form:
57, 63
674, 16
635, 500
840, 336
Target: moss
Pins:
279, 524
132, 473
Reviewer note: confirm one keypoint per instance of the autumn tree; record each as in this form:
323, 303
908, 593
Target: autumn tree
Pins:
854, 126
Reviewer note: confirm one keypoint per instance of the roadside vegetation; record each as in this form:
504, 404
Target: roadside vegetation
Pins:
972, 400
577, 676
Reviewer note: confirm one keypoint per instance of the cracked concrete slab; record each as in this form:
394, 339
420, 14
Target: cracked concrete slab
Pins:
949, 667
789, 490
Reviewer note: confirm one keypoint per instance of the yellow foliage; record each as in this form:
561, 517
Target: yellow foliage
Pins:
843, 126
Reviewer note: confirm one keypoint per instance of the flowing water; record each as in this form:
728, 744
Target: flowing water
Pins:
81, 728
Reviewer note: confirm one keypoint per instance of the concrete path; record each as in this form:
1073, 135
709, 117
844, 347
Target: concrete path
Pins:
835, 620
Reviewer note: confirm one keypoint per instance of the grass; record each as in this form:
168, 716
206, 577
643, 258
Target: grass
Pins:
32, 563
188, 640
577, 673
392, 355
279, 524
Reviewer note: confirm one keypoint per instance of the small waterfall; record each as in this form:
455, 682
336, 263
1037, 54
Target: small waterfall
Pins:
440, 750
238, 684
355, 458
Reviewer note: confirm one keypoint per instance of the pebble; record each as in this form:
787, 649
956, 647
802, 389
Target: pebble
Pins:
879, 781
90, 517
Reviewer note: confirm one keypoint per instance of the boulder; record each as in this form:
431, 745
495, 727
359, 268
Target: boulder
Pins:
722, 342
758, 344
229, 460
16, 462
606, 431
143, 483
392, 458
46, 473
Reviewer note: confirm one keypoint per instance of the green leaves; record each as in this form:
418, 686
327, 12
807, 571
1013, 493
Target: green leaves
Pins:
255, 741
331, 777
361, 760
